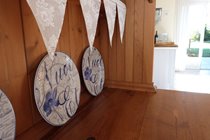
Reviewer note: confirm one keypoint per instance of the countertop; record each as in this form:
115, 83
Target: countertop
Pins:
165, 44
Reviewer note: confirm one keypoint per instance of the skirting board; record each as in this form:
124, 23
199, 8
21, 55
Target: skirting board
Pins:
131, 86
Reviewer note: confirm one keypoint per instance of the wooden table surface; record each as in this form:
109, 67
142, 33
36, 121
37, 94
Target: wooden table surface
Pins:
129, 115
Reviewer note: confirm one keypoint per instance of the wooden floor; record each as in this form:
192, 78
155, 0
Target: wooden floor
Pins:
128, 115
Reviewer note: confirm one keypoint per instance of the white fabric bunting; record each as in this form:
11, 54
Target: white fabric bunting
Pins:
49, 15
110, 9
121, 8
91, 9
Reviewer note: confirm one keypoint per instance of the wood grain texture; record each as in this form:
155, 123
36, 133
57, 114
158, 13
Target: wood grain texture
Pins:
177, 116
113, 58
129, 40
78, 37
148, 51
10, 33
138, 41
13, 77
131, 86
102, 118
104, 43
120, 55
128, 65
131, 61
129, 115
73, 41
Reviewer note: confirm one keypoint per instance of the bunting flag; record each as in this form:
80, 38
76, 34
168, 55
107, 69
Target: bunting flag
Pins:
91, 9
121, 8
49, 15
110, 9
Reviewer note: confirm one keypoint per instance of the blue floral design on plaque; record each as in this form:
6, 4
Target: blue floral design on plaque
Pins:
87, 73
50, 101
93, 71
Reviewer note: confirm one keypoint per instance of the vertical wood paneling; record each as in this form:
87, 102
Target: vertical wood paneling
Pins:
34, 51
97, 37
18, 92
129, 40
14, 72
104, 43
138, 48
78, 34
120, 55
127, 65
64, 41
73, 41
135, 54
4, 76
113, 57
10, 34
148, 42
34, 44
138, 41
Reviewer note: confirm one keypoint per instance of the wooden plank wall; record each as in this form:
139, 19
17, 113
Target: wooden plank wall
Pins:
13, 69
128, 65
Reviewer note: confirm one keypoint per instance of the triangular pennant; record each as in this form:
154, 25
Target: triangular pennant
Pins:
49, 15
91, 9
121, 8
110, 9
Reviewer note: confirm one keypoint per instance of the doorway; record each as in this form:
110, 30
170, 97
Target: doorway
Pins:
190, 30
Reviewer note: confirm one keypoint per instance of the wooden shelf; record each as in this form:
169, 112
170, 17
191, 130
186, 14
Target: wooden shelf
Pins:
123, 115
165, 44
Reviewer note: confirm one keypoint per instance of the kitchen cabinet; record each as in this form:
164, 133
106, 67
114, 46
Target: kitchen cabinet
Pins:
164, 67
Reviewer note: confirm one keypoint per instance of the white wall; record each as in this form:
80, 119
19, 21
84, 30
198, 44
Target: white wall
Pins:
167, 21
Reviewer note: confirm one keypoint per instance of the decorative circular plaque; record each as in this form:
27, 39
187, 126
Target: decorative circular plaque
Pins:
7, 118
57, 89
93, 71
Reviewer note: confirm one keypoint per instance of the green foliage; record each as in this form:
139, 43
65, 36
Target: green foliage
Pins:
193, 52
207, 35
206, 52
196, 36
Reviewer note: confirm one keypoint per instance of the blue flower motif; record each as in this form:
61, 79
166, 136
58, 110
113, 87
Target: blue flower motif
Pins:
50, 101
88, 73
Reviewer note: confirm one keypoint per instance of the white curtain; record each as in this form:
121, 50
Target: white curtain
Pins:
181, 37
182, 29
